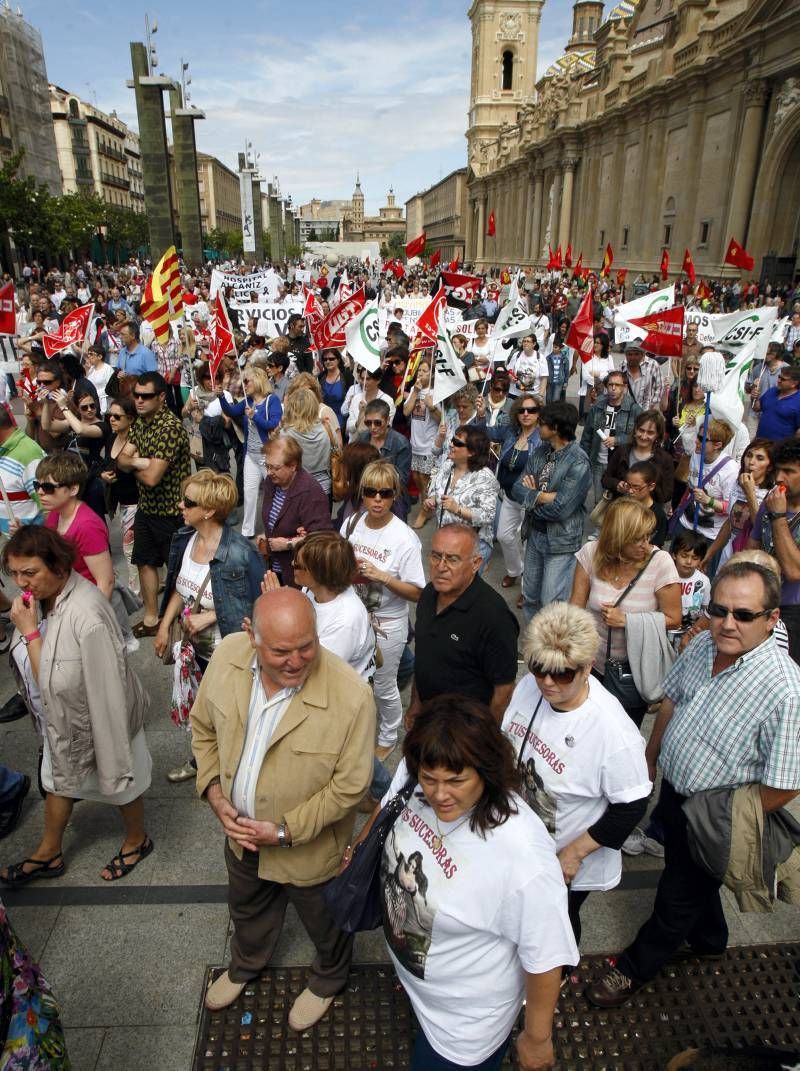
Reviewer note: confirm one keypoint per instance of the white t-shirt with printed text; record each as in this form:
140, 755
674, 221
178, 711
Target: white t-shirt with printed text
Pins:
465, 919
576, 762
393, 549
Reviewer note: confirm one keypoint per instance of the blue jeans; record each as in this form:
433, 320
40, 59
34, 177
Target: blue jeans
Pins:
10, 783
425, 1058
546, 577
381, 780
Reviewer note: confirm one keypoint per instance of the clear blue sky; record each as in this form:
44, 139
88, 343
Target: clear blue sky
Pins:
323, 90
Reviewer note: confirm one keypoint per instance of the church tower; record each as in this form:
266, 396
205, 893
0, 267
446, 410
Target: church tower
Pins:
505, 45
357, 216
586, 17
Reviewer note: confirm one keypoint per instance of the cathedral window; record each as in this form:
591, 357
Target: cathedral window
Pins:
508, 70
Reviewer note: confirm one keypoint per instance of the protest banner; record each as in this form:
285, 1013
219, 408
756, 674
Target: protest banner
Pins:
363, 337
657, 301
733, 331
271, 318
449, 371
265, 283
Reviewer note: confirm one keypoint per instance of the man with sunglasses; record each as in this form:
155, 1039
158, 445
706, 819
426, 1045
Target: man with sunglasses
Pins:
730, 718
157, 452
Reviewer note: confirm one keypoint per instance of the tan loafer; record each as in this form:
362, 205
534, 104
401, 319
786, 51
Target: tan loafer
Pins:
307, 1010
222, 992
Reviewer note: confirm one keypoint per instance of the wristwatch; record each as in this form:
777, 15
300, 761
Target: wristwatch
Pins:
283, 841
775, 516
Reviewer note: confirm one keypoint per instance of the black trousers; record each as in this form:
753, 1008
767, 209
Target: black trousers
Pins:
575, 901
688, 905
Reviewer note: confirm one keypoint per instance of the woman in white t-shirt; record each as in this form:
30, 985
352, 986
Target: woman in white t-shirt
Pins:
756, 478
474, 902
424, 419
364, 390
593, 373
711, 501
528, 369
581, 757
98, 373
390, 576
482, 347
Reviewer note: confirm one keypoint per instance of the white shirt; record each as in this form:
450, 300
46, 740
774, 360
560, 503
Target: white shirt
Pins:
343, 627
576, 762
263, 717
721, 487
465, 920
394, 549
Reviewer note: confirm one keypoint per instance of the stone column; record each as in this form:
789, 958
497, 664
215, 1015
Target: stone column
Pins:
536, 226
153, 145
469, 231
529, 195
186, 188
756, 95
565, 221
555, 207
480, 243
258, 222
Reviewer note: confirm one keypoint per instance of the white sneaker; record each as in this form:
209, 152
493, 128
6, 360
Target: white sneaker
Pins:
634, 842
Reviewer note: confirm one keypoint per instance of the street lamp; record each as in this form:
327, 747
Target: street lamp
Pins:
151, 29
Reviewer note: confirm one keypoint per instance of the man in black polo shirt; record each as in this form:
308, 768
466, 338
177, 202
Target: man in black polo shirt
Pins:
466, 636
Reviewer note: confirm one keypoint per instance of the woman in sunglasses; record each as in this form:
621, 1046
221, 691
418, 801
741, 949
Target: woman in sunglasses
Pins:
122, 488
581, 758
87, 434
517, 439
389, 557
335, 381
464, 489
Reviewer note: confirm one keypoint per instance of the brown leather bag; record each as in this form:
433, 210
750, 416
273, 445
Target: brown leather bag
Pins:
339, 482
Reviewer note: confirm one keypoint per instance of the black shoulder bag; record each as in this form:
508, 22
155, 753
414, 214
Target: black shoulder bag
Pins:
354, 896
617, 676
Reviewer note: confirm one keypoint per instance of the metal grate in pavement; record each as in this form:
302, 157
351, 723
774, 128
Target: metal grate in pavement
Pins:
751, 997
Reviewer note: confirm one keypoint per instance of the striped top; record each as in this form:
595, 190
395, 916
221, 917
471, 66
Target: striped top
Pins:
739, 727
278, 498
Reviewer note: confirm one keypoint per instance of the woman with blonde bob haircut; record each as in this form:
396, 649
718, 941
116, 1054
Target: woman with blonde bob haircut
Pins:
301, 422
209, 559
390, 576
621, 574
581, 758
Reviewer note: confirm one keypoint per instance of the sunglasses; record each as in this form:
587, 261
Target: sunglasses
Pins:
46, 486
87, 408
378, 492
373, 423
562, 676
189, 503
457, 442
530, 409
329, 360
716, 609
141, 397
45, 382
115, 416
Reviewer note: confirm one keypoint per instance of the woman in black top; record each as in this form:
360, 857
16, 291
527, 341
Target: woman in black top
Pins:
121, 488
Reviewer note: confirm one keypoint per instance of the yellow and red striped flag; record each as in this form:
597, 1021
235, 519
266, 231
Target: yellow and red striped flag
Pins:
163, 295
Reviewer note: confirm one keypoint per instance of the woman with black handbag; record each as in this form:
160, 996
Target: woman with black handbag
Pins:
471, 895
622, 566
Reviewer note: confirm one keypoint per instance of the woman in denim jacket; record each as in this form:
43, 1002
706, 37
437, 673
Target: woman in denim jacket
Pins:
208, 558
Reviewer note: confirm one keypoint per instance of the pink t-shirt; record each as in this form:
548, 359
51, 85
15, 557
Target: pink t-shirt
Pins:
640, 599
88, 534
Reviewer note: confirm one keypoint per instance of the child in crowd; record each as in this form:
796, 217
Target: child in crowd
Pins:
688, 550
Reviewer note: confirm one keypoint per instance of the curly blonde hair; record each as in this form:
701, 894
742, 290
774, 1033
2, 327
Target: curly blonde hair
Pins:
561, 636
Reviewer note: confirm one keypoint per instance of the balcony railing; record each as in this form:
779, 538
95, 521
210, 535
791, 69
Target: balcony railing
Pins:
111, 151
112, 180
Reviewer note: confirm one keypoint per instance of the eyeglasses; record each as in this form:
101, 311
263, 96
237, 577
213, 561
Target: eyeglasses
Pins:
373, 423
141, 397
716, 609
46, 486
530, 409
437, 558
457, 442
561, 676
87, 408
190, 503
377, 492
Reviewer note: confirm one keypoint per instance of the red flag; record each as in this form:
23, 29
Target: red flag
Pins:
551, 260
72, 331
585, 273
453, 265
330, 333
578, 267
558, 260
665, 265
428, 321
622, 275
664, 331
416, 246
568, 256
608, 260
738, 256
505, 277
8, 314
580, 335
460, 289
436, 258
221, 335
703, 291
688, 267
312, 311
491, 228
398, 271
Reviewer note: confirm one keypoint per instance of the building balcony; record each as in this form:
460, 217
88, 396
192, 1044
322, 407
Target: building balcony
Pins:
84, 180
112, 180
111, 151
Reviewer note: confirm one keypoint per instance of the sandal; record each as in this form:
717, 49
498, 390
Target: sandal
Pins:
142, 629
119, 868
15, 875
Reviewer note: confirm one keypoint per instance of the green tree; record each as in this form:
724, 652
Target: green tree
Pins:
215, 239
233, 243
267, 241
24, 206
396, 245
73, 220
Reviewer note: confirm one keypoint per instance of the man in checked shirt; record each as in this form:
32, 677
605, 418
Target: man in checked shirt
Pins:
730, 717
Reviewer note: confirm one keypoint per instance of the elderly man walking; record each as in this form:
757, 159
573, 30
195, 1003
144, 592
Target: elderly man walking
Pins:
283, 733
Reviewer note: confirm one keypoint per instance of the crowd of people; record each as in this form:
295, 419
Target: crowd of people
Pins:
264, 516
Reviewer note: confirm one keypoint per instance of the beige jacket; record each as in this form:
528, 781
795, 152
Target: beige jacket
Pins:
93, 703
317, 767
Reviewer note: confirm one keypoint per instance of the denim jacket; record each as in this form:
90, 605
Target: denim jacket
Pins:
236, 573
627, 413
571, 480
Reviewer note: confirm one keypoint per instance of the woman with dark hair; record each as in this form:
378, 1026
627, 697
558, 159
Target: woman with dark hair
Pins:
475, 905
122, 488
463, 490
82, 423
355, 458
592, 373
335, 380
756, 480
70, 654
481, 348
645, 445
